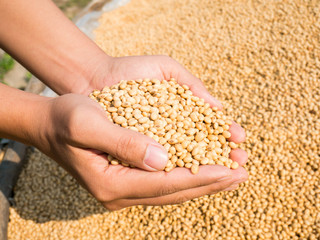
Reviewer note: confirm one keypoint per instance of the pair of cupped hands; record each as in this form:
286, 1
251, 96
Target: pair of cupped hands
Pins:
77, 134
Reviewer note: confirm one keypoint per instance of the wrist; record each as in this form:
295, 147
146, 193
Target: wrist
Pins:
95, 75
81, 72
36, 124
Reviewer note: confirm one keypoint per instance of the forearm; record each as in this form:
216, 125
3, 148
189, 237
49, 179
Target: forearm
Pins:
39, 36
19, 114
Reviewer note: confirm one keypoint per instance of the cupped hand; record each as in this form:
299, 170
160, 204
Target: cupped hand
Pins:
77, 134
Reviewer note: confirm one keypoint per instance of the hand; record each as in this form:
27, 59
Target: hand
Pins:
76, 133
71, 126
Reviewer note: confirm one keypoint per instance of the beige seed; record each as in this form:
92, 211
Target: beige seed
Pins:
200, 136
223, 159
222, 139
226, 134
124, 164
172, 150
112, 109
135, 129
191, 131
117, 103
188, 165
188, 159
179, 147
195, 162
137, 115
212, 137
143, 102
211, 162
195, 151
143, 120
128, 115
218, 150
172, 141
234, 165
119, 120
114, 162
168, 169
163, 141
132, 122
204, 161
195, 168
145, 108
226, 127
194, 117
229, 122
149, 134
233, 145
207, 120
199, 126
184, 144
154, 116
126, 104
180, 163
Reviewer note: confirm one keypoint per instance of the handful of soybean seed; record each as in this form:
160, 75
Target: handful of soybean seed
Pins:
192, 132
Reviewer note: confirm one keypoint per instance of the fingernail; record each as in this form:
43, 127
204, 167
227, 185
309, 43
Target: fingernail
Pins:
155, 157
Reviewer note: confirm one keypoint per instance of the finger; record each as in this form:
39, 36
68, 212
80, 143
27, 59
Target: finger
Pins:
197, 87
232, 187
239, 155
88, 166
239, 175
135, 183
199, 90
175, 198
181, 196
125, 145
238, 135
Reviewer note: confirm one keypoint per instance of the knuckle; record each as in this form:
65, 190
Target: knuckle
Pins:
103, 197
75, 123
166, 189
123, 147
105, 194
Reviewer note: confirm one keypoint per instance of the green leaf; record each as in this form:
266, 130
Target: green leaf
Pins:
6, 64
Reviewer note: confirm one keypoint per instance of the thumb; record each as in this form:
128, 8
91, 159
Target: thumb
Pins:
127, 145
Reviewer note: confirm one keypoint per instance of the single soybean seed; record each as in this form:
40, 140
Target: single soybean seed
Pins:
119, 120
234, 165
195, 168
233, 145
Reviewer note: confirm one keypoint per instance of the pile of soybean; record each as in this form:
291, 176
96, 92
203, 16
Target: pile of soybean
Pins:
192, 132
261, 59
